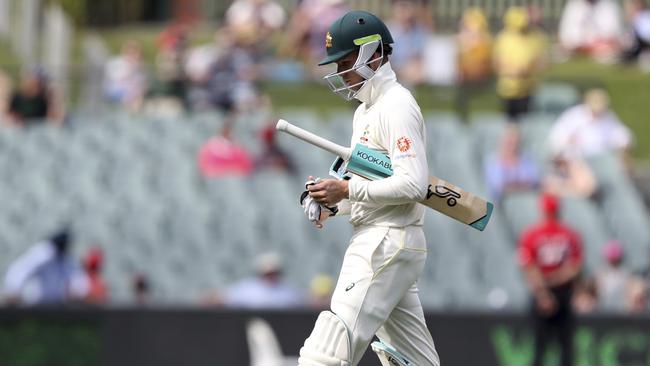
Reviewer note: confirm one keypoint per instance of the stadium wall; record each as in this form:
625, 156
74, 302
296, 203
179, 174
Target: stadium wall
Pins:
216, 337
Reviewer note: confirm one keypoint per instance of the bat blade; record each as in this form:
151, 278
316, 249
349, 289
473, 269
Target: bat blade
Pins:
458, 204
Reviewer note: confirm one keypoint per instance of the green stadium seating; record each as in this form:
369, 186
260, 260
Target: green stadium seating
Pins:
132, 185
555, 97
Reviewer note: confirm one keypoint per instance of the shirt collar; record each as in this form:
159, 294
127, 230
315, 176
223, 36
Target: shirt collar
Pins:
371, 91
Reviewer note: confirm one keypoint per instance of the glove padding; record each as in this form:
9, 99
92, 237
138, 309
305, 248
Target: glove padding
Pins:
312, 209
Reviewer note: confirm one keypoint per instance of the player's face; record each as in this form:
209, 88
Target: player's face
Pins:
351, 77
346, 63
346, 81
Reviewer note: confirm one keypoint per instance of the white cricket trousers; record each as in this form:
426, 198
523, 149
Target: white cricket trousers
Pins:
377, 293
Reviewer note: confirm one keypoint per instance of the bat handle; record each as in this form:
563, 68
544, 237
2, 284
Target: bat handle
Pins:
313, 139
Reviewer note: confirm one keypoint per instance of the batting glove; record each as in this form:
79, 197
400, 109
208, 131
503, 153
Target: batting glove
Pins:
313, 209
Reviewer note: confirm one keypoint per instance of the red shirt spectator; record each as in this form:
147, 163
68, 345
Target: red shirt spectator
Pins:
221, 156
550, 254
273, 157
93, 263
550, 243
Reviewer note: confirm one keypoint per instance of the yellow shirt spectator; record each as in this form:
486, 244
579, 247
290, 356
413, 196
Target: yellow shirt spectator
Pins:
474, 47
519, 54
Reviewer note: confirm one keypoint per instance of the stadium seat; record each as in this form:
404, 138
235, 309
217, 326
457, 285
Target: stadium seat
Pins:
305, 118
555, 97
485, 131
535, 128
584, 216
520, 211
340, 127
623, 209
132, 185
451, 156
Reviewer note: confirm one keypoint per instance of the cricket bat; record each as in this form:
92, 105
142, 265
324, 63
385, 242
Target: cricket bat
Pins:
442, 196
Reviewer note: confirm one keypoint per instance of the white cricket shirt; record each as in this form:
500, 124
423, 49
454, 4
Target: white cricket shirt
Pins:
578, 132
389, 120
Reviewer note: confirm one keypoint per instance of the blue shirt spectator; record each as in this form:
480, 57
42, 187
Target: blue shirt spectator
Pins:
46, 275
265, 291
509, 169
411, 37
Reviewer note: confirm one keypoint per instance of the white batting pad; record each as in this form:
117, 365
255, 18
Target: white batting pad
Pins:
328, 344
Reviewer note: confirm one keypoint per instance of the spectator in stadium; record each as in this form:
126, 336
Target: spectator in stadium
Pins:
227, 83
93, 263
266, 290
591, 129
167, 96
5, 94
222, 156
592, 27
519, 56
308, 27
34, 102
474, 58
125, 80
141, 290
570, 176
272, 156
320, 291
536, 16
636, 296
550, 255
255, 20
410, 35
510, 169
46, 274
613, 279
639, 17
585, 298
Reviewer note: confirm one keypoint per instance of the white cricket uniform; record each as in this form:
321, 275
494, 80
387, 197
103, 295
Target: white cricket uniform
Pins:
376, 291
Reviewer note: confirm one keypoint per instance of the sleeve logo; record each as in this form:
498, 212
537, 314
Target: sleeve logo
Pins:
404, 144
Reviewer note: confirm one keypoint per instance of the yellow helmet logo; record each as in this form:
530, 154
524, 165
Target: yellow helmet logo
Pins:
328, 40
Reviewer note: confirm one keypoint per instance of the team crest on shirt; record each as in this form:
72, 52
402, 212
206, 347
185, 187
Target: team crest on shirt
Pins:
404, 144
328, 40
364, 137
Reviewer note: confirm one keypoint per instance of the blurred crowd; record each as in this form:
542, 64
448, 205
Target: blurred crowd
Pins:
586, 130
258, 40
48, 274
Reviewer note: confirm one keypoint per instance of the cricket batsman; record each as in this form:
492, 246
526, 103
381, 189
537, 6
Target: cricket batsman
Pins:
376, 292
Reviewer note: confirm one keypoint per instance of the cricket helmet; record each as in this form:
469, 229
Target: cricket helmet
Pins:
357, 30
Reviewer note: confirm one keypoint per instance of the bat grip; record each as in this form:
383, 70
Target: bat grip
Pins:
313, 139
